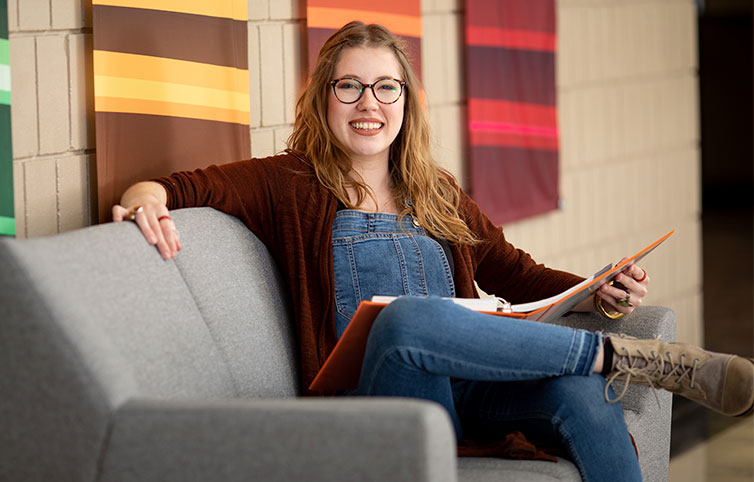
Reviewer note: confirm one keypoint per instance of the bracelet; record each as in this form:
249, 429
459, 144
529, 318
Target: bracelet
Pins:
602, 311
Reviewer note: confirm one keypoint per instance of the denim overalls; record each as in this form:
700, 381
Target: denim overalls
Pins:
493, 375
376, 254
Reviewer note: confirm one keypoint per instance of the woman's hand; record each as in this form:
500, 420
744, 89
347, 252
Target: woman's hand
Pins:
145, 204
627, 292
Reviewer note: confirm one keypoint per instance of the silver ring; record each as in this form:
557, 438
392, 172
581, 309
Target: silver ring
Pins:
626, 302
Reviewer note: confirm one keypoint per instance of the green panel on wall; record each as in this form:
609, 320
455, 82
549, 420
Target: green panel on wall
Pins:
7, 221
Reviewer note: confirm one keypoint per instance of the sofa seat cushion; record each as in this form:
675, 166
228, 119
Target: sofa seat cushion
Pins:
484, 469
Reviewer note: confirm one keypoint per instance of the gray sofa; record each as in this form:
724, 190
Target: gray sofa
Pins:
118, 366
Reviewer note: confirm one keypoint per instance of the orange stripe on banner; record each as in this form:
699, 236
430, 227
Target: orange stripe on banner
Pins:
535, 115
402, 7
509, 38
170, 109
334, 18
124, 88
235, 9
513, 138
160, 69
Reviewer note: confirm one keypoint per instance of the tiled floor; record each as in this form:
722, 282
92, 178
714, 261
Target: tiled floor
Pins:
726, 457
708, 447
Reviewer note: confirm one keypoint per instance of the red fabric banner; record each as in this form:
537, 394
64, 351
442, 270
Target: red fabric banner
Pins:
512, 121
402, 17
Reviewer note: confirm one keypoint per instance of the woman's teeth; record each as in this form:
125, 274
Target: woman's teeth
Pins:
366, 126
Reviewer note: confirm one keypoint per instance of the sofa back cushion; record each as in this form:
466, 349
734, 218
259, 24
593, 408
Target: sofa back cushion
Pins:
242, 299
212, 323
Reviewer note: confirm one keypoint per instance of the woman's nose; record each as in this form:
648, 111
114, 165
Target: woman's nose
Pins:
368, 100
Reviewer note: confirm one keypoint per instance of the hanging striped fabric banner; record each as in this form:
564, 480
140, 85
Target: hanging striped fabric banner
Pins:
171, 86
402, 17
513, 132
7, 216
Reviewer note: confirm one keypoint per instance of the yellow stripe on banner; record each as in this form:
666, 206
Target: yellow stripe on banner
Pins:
324, 17
160, 69
171, 92
235, 9
170, 109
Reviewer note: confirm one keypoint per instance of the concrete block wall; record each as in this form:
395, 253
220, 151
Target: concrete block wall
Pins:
628, 113
52, 114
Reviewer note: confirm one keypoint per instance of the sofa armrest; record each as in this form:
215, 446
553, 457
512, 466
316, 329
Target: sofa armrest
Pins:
280, 440
648, 422
645, 322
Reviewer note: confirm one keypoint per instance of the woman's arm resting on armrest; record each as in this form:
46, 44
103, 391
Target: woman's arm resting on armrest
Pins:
145, 203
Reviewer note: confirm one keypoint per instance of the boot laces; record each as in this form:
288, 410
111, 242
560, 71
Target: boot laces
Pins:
652, 369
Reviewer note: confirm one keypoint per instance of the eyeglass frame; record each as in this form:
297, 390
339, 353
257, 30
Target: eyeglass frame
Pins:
364, 86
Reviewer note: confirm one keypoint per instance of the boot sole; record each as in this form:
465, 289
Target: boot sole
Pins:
751, 409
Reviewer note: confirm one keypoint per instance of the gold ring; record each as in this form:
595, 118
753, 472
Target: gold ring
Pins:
602, 311
134, 211
626, 302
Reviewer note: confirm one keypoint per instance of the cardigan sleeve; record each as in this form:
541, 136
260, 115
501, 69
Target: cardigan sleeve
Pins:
506, 271
242, 189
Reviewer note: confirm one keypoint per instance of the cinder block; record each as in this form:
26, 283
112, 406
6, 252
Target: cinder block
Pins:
82, 91
262, 142
23, 97
294, 60
259, 9
52, 85
281, 137
565, 58
447, 6
19, 203
12, 16
432, 60
283, 9
40, 186
272, 90
33, 15
73, 192
447, 129
255, 77
67, 14
453, 38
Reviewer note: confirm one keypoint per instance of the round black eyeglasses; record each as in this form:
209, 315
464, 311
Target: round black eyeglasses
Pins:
386, 91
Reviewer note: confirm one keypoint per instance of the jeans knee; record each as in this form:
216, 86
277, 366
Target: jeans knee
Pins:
401, 321
583, 398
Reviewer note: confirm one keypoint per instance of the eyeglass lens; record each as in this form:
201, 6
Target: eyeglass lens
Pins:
386, 91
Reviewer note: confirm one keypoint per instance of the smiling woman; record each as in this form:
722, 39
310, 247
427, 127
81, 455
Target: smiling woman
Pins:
358, 207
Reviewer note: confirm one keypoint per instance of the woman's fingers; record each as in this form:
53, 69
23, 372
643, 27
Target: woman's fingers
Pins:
170, 233
119, 213
155, 224
627, 291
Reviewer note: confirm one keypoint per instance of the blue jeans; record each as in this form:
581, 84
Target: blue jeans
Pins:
497, 375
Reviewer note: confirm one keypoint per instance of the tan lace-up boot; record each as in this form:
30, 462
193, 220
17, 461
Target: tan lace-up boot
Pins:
723, 383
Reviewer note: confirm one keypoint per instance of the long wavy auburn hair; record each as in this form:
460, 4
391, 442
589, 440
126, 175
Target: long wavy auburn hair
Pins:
414, 173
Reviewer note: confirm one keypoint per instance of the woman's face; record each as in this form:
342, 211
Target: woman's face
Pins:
366, 127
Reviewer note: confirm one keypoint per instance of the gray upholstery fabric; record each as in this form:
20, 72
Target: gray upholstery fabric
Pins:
498, 470
291, 440
117, 365
232, 280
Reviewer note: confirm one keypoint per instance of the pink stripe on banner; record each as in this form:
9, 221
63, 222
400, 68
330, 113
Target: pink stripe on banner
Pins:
503, 127
509, 38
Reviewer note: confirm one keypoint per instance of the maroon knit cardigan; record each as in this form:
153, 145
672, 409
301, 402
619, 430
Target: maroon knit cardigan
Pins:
281, 201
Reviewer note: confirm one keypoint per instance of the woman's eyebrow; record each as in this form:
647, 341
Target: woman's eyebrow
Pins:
356, 77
